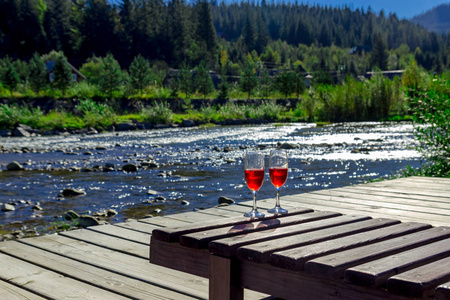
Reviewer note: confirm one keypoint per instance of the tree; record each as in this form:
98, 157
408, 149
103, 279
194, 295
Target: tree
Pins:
185, 81
285, 82
203, 81
205, 30
10, 78
249, 81
224, 87
38, 73
299, 82
379, 56
58, 25
111, 78
62, 73
140, 73
266, 83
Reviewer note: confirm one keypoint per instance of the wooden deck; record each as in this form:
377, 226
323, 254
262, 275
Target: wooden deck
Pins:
111, 261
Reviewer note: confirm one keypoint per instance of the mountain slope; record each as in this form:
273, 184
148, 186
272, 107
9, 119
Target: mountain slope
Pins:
437, 19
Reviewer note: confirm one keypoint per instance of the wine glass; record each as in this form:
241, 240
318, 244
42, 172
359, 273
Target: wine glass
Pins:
254, 177
278, 170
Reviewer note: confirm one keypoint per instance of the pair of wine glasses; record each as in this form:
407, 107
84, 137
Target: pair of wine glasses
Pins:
254, 177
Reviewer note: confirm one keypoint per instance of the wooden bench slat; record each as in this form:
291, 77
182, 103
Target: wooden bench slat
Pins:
86, 273
200, 240
172, 234
228, 246
123, 233
260, 252
165, 222
48, 283
12, 292
334, 265
295, 259
138, 226
376, 273
120, 263
443, 292
422, 281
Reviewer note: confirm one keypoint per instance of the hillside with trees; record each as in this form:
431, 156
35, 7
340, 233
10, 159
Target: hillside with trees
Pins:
436, 19
175, 32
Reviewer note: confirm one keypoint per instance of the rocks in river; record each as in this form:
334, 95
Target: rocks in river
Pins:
126, 127
184, 202
14, 166
187, 123
157, 210
288, 146
152, 192
36, 207
225, 200
130, 168
70, 215
5, 132
7, 207
230, 160
86, 221
88, 153
160, 199
19, 131
149, 165
111, 213
70, 192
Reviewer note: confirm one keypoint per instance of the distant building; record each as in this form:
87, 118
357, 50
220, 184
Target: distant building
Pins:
389, 74
360, 49
76, 75
308, 80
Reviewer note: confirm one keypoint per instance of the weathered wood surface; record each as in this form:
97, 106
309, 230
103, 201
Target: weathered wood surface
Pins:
111, 261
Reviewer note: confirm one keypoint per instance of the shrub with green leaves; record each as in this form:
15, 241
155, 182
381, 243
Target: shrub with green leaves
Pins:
96, 114
11, 115
431, 117
159, 113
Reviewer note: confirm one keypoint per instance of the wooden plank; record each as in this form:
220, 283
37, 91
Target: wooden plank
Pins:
443, 292
123, 233
195, 217
97, 277
397, 198
138, 226
405, 182
375, 273
172, 234
422, 281
164, 222
334, 265
335, 205
223, 275
260, 252
409, 189
200, 240
219, 212
295, 259
391, 202
12, 292
122, 264
291, 285
228, 246
110, 242
47, 283
176, 257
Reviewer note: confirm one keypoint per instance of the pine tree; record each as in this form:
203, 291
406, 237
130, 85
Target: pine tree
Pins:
62, 74
185, 81
266, 83
249, 81
203, 81
38, 73
140, 73
224, 88
379, 56
205, 30
111, 78
285, 82
10, 78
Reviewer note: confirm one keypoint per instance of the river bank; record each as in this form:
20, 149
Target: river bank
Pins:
162, 171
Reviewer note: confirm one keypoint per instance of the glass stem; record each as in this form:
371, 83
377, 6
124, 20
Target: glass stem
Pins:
278, 197
254, 200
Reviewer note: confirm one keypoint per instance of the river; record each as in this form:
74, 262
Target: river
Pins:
197, 165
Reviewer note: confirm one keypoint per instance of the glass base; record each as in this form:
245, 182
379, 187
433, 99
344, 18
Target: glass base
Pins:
254, 214
277, 210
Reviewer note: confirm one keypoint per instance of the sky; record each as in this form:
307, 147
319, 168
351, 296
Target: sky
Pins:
403, 8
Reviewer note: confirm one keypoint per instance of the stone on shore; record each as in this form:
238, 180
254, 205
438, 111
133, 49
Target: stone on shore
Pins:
130, 168
288, 146
187, 123
70, 215
226, 200
86, 221
14, 166
70, 192
7, 207
19, 131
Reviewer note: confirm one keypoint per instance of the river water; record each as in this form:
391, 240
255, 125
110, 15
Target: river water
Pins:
197, 165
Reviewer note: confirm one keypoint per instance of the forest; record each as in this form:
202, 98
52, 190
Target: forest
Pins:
174, 32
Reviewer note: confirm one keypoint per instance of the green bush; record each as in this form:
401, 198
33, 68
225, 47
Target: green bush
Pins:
96, 115
431, 118
159, 113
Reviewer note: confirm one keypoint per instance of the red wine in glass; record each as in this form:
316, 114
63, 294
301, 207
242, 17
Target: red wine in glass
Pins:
278, 170
278, 176
254, 177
